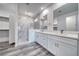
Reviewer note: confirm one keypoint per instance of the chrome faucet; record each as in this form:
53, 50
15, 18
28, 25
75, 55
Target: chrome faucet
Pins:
62, 31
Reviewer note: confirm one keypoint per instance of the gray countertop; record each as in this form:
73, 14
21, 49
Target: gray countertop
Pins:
65, 35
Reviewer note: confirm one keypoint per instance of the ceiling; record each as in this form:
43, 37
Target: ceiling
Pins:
7, 8
32, 9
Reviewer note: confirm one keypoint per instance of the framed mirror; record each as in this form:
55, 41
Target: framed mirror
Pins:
66, 17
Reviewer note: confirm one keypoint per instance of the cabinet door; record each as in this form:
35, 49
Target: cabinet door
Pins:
67, 50
31, 36
53, 46
38, 38
42, 40
45, 41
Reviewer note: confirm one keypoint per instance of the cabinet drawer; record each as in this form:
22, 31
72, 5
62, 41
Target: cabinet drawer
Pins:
69, 41
53, 37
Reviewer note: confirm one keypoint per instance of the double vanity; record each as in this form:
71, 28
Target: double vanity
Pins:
58, 30
65, 44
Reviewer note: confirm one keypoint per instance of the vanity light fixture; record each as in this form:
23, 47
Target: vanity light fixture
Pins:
45, 11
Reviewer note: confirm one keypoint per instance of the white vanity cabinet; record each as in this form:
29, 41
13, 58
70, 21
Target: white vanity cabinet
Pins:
58, 45
45, 41
53, 44
37, 38
31, 36
67, 50
67, 47
42, 40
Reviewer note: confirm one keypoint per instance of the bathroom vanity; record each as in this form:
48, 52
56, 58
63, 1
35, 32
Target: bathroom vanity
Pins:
61, 37
58, 44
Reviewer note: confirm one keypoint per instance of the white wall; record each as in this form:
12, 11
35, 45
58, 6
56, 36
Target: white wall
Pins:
13, 19
36, 24
50, 19
12, 29
78, 18
78, 29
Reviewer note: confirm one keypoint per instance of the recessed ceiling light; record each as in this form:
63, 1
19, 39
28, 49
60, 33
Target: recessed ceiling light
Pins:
42, 8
